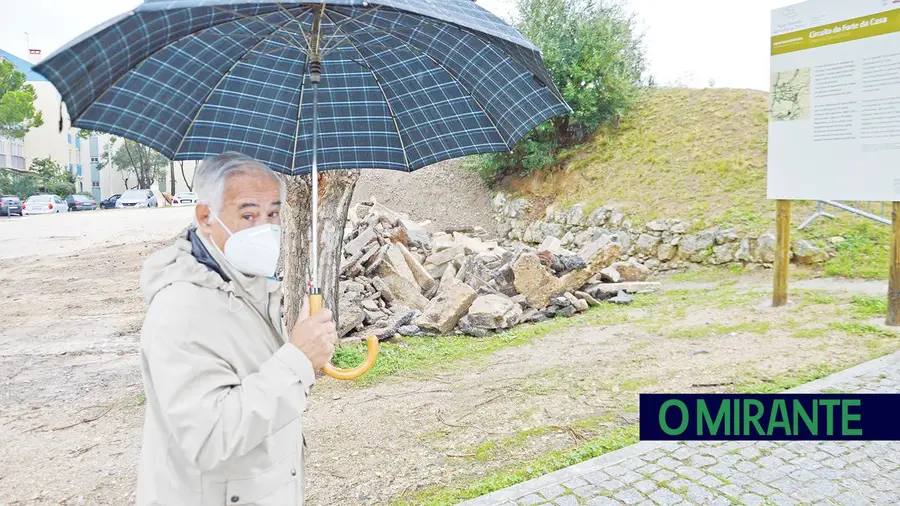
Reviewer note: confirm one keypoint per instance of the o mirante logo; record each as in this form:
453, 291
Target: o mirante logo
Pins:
685, 417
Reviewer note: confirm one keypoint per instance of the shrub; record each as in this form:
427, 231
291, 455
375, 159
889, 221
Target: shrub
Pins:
594, 53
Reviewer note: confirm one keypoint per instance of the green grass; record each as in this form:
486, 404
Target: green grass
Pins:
809, 333
853, 329
690, 154
863, 254
428, 353
635, 384
863, 329
717, 329
491, 449
817, 297
138, 401
868, 307
752, 382
522, 471
708, 274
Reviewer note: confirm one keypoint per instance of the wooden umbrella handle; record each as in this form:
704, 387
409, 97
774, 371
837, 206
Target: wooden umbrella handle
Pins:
315, 305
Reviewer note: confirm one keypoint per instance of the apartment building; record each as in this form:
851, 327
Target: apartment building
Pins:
78, 155
12, 154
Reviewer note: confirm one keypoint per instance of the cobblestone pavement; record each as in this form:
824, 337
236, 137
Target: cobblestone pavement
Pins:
733, 472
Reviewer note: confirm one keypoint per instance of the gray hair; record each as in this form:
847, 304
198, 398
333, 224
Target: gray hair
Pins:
212, 175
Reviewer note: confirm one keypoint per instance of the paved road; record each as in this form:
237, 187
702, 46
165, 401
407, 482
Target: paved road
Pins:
52, 234
724, 473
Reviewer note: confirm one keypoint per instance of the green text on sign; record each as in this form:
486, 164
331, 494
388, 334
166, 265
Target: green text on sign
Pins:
836, 33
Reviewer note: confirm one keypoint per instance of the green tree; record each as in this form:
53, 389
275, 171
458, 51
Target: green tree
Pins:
594, 53
17, 112
51, 177
144, 163
20, 185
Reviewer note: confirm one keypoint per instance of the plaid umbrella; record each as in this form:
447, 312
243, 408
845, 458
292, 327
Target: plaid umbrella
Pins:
405, 83
308, 86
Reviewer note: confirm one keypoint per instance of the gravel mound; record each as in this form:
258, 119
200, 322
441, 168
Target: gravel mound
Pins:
445, 193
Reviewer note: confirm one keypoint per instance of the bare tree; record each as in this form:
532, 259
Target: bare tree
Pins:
141, 161
189, 184
335, 193
172, 177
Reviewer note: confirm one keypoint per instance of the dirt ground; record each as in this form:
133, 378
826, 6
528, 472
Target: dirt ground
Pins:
445, 193
71, 405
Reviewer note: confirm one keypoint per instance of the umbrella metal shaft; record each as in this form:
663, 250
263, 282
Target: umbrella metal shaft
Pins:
315, 75
314, 250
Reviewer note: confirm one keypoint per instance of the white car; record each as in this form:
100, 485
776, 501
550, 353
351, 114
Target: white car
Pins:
184, 199
136, 198
44, 204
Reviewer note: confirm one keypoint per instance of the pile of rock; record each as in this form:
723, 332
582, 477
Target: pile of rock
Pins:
401, 277
660, 245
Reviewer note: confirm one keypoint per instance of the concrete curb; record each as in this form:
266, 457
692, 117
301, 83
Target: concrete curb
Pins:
846, 375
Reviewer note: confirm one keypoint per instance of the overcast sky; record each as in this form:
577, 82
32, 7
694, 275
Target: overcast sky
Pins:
691, 41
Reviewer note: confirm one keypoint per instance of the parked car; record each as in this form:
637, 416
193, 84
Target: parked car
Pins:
184, 199
10, 205
110, 202
44, 204
81, 203
136, 198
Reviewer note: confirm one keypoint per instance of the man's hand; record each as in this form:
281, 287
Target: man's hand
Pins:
315, 335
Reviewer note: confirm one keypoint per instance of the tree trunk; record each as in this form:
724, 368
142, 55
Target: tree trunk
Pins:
144, 174
190, 185
172, 177
335, 193
137, 171
295, 219
562, 129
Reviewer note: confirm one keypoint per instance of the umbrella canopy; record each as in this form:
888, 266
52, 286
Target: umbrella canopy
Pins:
404, 83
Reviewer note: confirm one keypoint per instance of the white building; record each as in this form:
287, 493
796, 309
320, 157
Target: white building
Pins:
12, 154
66, 147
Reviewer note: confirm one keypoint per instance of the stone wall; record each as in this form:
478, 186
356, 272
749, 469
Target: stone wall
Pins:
660, 245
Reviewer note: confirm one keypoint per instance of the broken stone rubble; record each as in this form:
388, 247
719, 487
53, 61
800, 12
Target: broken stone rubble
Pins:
402, 278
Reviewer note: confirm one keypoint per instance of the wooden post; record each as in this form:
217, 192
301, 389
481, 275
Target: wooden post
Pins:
893, 309
782, 251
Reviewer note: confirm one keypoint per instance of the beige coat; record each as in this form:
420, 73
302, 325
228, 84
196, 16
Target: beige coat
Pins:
224, 391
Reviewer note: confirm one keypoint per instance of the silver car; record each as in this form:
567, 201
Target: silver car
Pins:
44, 204
184, 199
136, 198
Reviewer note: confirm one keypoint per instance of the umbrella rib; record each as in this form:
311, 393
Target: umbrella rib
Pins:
214, 88
338, 27
386, 101
419, 51
256, 17
299, 25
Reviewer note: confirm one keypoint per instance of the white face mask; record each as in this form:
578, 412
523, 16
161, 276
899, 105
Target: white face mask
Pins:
254, 251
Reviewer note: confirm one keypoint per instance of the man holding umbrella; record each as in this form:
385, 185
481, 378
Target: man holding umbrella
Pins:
225, 383
303, 86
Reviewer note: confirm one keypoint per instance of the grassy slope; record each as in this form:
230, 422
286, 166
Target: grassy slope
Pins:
698, 155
